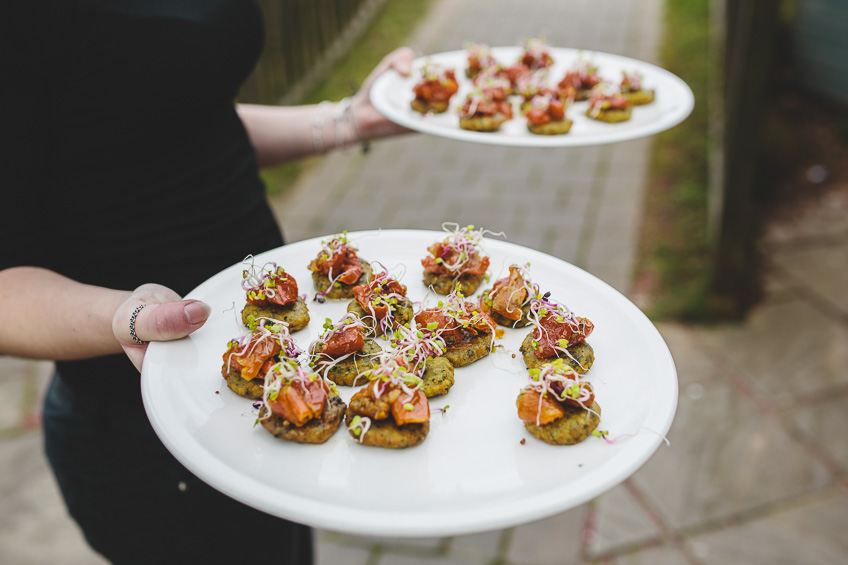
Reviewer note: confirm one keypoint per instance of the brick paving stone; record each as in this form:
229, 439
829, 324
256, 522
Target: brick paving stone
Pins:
725, 457
552, 541
34, 526
812, 533
782, 346
821, 270
620, 522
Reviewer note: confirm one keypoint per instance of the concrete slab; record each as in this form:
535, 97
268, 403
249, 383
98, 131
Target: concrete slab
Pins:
553, 541
484, 546
824, 422
725, 457
821, 270
811, 533
787, 351
620, 522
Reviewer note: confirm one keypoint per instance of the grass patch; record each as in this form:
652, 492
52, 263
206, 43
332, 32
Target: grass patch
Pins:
390, 29
675, 252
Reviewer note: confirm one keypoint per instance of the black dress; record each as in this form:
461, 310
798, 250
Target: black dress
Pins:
124, 163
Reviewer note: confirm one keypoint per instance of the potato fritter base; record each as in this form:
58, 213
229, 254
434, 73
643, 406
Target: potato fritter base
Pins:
317, 430
469, 350
251, 389
433, 107
610, 116
640, 97
443, 284
577, 424
550, 128
385, 433
582, 352
437, 377
345, 373
483, 124
296, 315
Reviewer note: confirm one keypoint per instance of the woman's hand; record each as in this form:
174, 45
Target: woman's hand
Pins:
370, 122
164, 316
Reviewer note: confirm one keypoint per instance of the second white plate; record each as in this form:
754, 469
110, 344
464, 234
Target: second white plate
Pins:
392, 93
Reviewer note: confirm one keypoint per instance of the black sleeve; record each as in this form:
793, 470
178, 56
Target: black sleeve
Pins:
24, 135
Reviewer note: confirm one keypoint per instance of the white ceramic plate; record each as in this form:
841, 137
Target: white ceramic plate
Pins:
472, 473
392, 93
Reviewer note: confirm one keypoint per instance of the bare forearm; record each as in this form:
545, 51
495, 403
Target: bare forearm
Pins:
44, 315
284, 133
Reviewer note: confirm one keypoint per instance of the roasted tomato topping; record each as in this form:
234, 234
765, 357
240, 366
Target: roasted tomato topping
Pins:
631, 82
255, 358
277, 288
582, 79
299, 401
556, 333
376, 296
365, 403
479, 59
413, 409
443, 256
537, 408
495, 87
508, 295
533, 87
344, 266
572, 394
479, 105
544, 110
348, 341
515, 73
437, 85
600, 100
456, 326
380, 398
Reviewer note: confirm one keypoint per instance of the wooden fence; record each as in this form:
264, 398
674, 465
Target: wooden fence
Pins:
303, 39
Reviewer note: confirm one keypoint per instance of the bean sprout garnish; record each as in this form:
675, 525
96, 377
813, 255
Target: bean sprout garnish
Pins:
265, 329
461, 245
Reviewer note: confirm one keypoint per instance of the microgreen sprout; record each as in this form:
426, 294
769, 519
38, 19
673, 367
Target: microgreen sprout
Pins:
323, 361
280, 375
359, 426
260, 283
385, 294
562, 382
264, 329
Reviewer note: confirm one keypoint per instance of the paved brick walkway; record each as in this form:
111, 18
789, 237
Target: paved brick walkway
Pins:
757, 471
580, 204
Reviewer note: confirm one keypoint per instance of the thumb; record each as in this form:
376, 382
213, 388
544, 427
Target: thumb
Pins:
155, 313
169, 320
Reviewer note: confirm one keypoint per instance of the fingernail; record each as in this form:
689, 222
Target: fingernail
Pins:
197, 312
